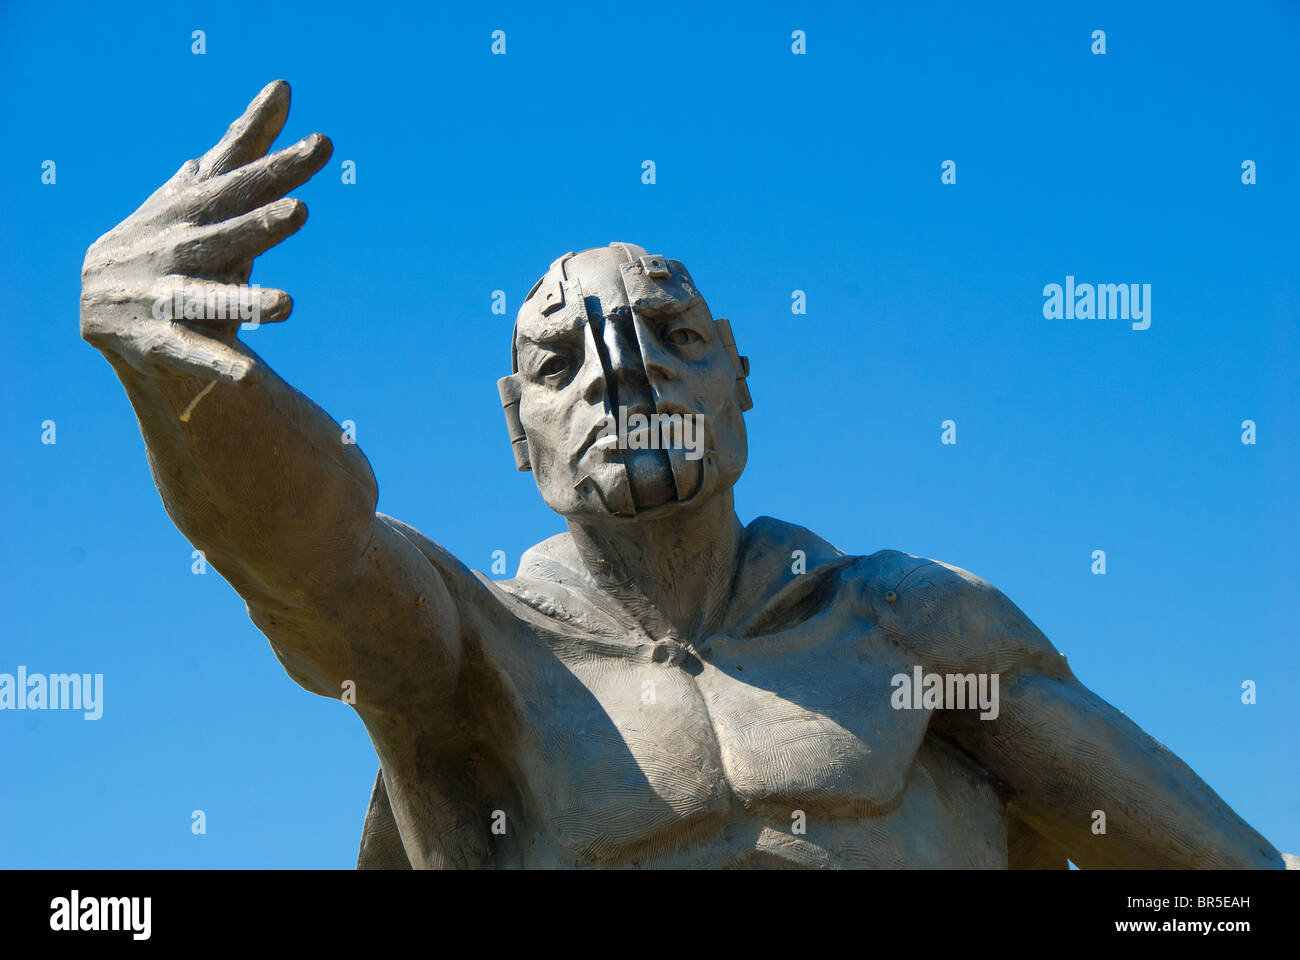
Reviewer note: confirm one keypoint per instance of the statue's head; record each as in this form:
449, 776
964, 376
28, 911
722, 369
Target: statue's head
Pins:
626, 398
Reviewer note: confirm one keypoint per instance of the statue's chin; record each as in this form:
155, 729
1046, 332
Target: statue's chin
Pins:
627, 487
651, 478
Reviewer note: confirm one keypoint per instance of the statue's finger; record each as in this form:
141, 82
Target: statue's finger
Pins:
251, 135
258, 182
218, 248
174, 348
219, 306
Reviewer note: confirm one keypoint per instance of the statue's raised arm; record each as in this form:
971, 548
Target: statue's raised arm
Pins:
251, 471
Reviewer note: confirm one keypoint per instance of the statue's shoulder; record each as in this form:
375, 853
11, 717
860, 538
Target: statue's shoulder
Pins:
771, 544
950, 616
553, 559
769, 539
785, 574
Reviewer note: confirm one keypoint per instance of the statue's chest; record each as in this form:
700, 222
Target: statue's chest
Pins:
629, 757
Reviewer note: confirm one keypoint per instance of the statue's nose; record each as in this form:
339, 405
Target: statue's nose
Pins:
629, 387
621, 345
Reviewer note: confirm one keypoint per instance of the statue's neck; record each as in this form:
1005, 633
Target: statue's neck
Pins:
673, 574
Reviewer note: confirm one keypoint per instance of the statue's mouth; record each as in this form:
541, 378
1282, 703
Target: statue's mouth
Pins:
673, 430
709, 472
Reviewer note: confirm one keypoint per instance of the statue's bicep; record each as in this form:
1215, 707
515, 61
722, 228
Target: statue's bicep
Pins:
387, 637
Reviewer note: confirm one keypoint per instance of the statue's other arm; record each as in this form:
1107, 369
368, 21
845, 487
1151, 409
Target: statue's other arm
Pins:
1071, 759
1061, 752
250, 470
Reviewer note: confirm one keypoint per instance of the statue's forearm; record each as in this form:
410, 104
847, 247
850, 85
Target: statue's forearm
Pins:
258, 477
1077, 767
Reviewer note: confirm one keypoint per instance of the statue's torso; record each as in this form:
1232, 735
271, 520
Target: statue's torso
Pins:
744, 756
771, 743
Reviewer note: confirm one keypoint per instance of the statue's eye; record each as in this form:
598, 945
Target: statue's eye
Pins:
683, 337
554, 367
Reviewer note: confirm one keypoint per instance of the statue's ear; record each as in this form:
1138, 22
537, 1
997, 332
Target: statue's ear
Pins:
740, 363
509, 388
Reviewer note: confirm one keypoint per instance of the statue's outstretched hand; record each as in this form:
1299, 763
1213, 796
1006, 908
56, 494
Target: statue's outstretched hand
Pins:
187, 253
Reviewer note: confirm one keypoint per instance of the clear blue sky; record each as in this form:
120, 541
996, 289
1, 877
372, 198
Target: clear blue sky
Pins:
775, 173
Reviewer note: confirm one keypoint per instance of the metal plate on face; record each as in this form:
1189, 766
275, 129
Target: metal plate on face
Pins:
550, 298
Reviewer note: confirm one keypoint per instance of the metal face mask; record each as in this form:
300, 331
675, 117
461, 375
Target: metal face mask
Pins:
609, 340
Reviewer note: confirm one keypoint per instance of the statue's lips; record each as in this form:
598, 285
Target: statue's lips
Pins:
604, 435
641, 435
604, 432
